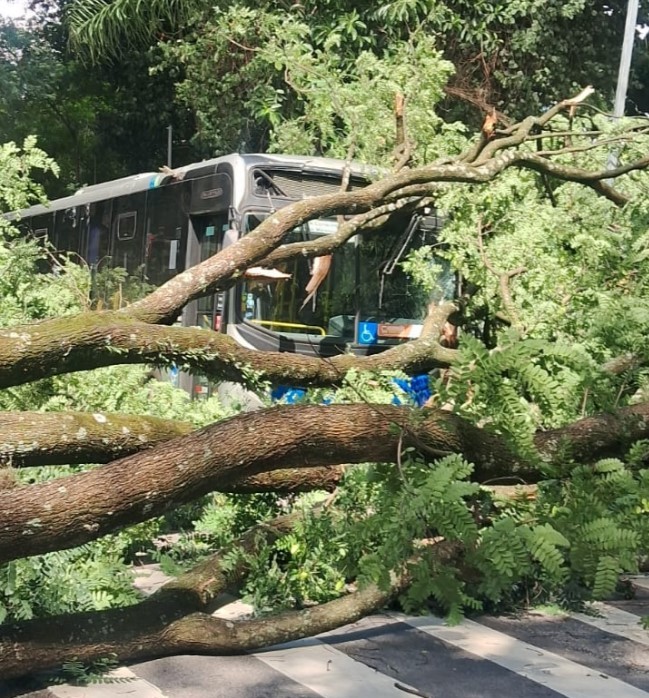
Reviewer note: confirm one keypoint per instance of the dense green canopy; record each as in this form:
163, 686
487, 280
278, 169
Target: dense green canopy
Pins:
100, 81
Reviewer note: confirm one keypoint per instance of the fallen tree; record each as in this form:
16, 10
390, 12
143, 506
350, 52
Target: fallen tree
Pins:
150, 466
177, 619
56, 515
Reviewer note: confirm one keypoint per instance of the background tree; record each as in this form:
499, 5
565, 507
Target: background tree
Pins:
89, 117
515, 57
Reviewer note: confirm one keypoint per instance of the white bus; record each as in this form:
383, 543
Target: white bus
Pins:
155, 225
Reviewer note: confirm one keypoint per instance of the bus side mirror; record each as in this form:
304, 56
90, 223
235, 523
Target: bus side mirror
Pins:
230, 236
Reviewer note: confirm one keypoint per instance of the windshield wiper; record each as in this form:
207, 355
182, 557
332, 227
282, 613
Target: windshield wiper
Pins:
398, 253
276, 189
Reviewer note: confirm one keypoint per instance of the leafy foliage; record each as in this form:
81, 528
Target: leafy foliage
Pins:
577, 299
90, 577
517, 56
351, 109
464, 547
88, 116
17, 186
79, 674
301, 569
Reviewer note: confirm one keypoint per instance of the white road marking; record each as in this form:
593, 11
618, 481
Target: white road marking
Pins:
234, 610
125, 683
547, 668
616, 621
329, 672
640, 581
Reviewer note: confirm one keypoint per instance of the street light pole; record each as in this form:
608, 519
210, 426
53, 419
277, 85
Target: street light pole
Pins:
623, 73
625, 59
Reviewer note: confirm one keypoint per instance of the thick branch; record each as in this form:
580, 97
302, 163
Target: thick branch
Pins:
93, 340
56, 438
173, 620
224, 268
593, 179
289, 481
513, 135
82, 507
48, 643
70, 511
596, 437
202, 634
192, 591
327, 244
68, 438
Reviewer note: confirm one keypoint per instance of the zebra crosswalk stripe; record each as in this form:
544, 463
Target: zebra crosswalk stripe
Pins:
616, 621
566, 677
329, 672
641, 581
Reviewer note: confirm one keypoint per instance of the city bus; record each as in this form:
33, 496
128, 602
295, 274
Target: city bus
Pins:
156, 224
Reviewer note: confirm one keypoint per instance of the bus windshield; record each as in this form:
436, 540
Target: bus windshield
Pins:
392, 303
365, 286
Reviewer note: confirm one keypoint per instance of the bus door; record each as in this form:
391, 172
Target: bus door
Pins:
208, 232
205, 239
209, 207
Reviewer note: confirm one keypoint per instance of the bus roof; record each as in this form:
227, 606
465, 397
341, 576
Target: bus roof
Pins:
95, 192
150, 180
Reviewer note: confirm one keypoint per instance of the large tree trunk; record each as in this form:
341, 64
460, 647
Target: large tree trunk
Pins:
98, 339
45, 644
174, 619
69, 511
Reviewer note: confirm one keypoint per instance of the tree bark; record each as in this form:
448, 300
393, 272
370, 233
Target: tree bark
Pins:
47, 643
67, 438
98, 339
190, 592
600, 436
69, 511
174, 620
289, 481
66, 512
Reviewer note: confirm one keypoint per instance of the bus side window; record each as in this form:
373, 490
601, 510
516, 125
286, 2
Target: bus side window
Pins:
166, 232
126, 225
128, 235
68, 236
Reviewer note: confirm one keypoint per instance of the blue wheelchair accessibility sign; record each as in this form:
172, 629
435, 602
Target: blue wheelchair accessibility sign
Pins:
367, 332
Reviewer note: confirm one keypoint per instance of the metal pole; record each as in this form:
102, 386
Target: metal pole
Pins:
170, 130
625, 59
623, 73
